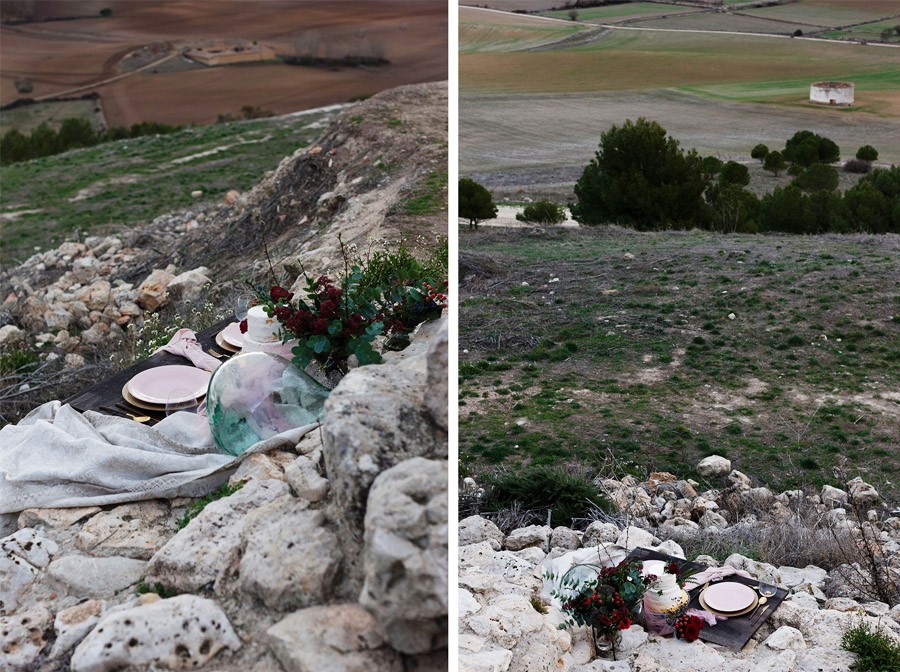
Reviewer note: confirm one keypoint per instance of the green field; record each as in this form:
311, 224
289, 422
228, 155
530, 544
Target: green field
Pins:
728, 22
482, 31
25, 119
614, 13
827, 12
132, 181
573, 354
869, 31
738, 67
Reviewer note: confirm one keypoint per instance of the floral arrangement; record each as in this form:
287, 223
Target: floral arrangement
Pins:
387, 293
681, 572
336, 319
604, 604
688, 627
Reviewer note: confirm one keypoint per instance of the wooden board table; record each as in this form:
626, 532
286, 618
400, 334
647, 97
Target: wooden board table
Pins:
733, 633
107, 393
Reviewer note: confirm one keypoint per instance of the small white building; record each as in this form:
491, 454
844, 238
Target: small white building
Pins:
831, 93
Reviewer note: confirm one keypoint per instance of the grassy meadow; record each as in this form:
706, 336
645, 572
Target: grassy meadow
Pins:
748, 68
133, 181
778, 352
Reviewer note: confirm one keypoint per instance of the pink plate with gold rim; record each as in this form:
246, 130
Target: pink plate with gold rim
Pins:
155, 385
729, 596
232, 335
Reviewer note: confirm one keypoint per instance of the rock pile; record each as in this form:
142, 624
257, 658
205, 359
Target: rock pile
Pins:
332, 557
507, 622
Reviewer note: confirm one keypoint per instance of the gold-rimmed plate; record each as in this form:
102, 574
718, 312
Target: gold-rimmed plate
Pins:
225, 345
729, 614
137, 403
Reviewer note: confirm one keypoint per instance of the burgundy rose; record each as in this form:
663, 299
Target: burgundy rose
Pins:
278, 293
672, 567
243, 326
282, 313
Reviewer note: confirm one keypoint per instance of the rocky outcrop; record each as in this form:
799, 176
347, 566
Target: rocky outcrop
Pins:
270, 577
508, 617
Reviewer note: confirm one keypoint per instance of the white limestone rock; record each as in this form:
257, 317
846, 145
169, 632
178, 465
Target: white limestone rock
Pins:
22, 638
289, 559
16, 576
633, 537
201, 552
182, 632
29, 545
467, 603
495, 660
600, 533
338, 638
563, 537
134, 530
833, 497
189, 286
73, 624
85, 576
862, 493
305, 480
784, 638
436, 381
56, 519
257, 467
533, 535
405, 555
760, 570
475, 529
714, 465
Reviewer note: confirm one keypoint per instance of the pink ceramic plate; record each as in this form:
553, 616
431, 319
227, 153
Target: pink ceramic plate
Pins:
232, 335
729, 596
154, 385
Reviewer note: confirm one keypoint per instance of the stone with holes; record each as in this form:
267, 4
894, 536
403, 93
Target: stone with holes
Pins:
183, 632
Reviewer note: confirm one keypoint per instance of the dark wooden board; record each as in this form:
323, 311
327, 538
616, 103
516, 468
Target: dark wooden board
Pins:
734, 632
107, 393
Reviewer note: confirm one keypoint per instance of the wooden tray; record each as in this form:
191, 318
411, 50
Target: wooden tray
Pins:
734, 632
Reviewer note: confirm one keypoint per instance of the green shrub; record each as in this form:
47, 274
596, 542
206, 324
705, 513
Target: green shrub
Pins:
640, 176
806, 148
542, 212
774, 163
475, 202
711, 165
867, 153
17, 360
542, 487
734, 173
759, 152
818, 177
857, 166
876, 650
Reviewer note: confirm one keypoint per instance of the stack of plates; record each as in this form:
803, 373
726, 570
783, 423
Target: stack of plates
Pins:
729, 598
231, 338
150, 389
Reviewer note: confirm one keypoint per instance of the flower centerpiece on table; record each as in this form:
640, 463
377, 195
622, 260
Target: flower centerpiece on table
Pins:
336, 319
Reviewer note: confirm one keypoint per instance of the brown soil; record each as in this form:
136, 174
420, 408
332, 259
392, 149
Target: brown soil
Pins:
60, 55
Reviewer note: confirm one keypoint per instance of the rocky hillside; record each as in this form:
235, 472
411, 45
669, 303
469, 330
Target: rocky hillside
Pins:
816, 541
378, 173
331, 556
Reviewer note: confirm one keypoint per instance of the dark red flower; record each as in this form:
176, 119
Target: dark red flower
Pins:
672, 567
319, 326
327, 309
277, 293
244, 326
282, 313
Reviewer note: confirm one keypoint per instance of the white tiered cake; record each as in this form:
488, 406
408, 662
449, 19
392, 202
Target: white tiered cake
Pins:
664, 594
263, 335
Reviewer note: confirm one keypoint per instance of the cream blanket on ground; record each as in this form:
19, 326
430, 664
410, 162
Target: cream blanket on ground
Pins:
57, 457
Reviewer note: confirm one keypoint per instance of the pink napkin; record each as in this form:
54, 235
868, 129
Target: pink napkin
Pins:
713, 574
185, 343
